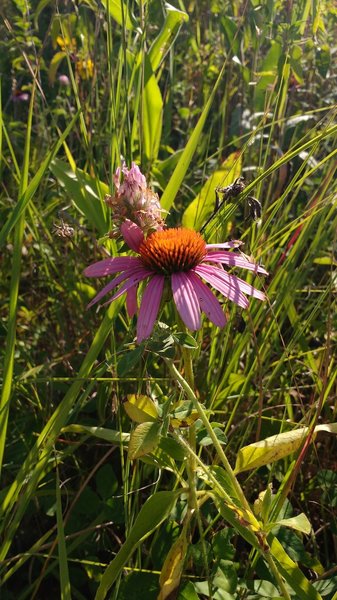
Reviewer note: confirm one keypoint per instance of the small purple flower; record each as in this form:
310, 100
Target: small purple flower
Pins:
20, 96
179, 256
64, 80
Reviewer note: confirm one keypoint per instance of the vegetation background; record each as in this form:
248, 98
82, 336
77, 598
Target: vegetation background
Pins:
197, 94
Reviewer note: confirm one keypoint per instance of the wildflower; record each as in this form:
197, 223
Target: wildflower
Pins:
134, 201
63, 80
181, 257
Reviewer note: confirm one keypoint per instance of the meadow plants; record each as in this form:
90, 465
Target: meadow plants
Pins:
182, 443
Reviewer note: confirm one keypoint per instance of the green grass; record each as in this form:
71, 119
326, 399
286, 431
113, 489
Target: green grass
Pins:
202, 90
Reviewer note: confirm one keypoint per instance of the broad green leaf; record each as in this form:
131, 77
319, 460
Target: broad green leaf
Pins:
299, 523
197, 213
155, 510
152, 114
276, 447
185, 339
161, 45
188, 592
144, 439
140, 408
119, 11
85, 192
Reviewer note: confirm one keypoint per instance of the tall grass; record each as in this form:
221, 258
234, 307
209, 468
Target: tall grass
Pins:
197, 95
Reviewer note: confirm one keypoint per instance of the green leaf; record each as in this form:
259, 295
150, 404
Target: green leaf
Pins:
186, 340
161, 45
155, 510
144, 439
203, 205
140, 408
54, 65
128, 361
188, 592
276, 447
86, 192
291, 573
180, 171
109, 435
152, 114
299, 523
62, 548
117, 9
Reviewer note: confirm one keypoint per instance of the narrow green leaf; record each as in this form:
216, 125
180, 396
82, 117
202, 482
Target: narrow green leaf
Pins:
291, 573
109, 435
203, 205
161, 45
152, 114
27, 195
61, 542
155, 510
180, 171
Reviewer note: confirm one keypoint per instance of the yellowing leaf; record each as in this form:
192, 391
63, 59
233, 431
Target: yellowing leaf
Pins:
140, 409
275, 447
197, 213
173, 567
144, 439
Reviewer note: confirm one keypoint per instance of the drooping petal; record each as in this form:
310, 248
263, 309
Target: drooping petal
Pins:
230, 289
115, 282
234, 281
109, 266
208, 302
232, 244
186, 300
149, 307
131, 301
234, 260
132, 280
132, 234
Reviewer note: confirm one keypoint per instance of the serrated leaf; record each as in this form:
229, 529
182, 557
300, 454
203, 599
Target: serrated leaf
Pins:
276, 447
144, 439
140, 408
203, 205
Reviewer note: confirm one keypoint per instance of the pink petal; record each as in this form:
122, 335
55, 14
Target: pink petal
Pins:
235, 281
232, 244
131, 301
234, 260
186, 300
133, 280
132, 234
208, 302
116, 281
149, 307
111, 265
230, 289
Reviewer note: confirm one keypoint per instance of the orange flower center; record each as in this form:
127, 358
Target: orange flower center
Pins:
172, 250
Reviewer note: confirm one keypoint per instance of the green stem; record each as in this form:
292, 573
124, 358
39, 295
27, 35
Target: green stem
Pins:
202, 414
277, 576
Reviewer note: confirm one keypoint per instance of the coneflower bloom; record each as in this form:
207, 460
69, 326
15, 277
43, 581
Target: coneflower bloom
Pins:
179, 256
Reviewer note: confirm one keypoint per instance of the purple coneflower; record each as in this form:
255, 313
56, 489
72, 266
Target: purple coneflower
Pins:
181, 257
